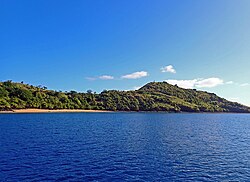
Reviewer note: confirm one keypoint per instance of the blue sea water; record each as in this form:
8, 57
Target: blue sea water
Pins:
124, 147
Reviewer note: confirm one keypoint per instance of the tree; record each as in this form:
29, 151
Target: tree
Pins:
89, 91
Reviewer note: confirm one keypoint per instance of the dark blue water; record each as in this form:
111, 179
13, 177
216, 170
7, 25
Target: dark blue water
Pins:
124, 147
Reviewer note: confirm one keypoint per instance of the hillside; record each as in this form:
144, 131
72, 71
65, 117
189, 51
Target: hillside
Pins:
154, 96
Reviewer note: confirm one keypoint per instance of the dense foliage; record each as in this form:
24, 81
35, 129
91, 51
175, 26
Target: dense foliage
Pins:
154, 96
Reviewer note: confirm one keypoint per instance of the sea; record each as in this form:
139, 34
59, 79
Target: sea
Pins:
124, 147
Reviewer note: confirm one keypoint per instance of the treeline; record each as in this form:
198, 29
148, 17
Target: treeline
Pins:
154, 96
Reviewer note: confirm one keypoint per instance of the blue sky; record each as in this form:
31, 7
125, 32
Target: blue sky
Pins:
104, 44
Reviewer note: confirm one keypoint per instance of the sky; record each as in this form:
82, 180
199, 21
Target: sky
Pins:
109, 44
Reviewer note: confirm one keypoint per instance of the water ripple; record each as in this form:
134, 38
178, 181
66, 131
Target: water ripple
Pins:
124, 147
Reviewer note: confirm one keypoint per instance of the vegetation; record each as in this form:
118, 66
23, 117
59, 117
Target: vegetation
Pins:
154, 96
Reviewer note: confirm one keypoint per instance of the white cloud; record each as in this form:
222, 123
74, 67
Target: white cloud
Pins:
183, 83
137, 87
209, 82
244, 84
197, 83
106, 77
168, 68
135, 75
103, 77
90, 78
234, 99
229, 82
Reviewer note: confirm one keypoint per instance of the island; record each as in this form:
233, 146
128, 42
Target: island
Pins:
154, 96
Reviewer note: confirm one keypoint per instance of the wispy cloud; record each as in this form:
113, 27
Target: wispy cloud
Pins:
244, 84
103, 77
137, 87
197, 83
234, 99
106, 77
183, 83
229, 82
135, 75
238, 84
168, 68
90, 78
209, 82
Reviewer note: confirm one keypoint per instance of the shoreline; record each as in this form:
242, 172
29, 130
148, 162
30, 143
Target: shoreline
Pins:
17, 111
51, 111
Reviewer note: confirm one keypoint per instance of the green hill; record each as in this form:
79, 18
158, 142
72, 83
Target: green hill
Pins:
154, 96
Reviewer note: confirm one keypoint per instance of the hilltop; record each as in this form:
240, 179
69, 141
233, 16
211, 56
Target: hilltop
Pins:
154, 96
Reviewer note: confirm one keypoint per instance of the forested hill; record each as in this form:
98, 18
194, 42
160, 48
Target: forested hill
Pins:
154, 96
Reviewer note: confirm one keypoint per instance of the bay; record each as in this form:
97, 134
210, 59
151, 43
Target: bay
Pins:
124, 147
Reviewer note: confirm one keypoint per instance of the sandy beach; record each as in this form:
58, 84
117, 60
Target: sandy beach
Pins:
50, 111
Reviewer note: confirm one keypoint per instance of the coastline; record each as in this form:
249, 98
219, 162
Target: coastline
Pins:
51, 111
16, 111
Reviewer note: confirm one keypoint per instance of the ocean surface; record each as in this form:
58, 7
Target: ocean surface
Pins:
124, 147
